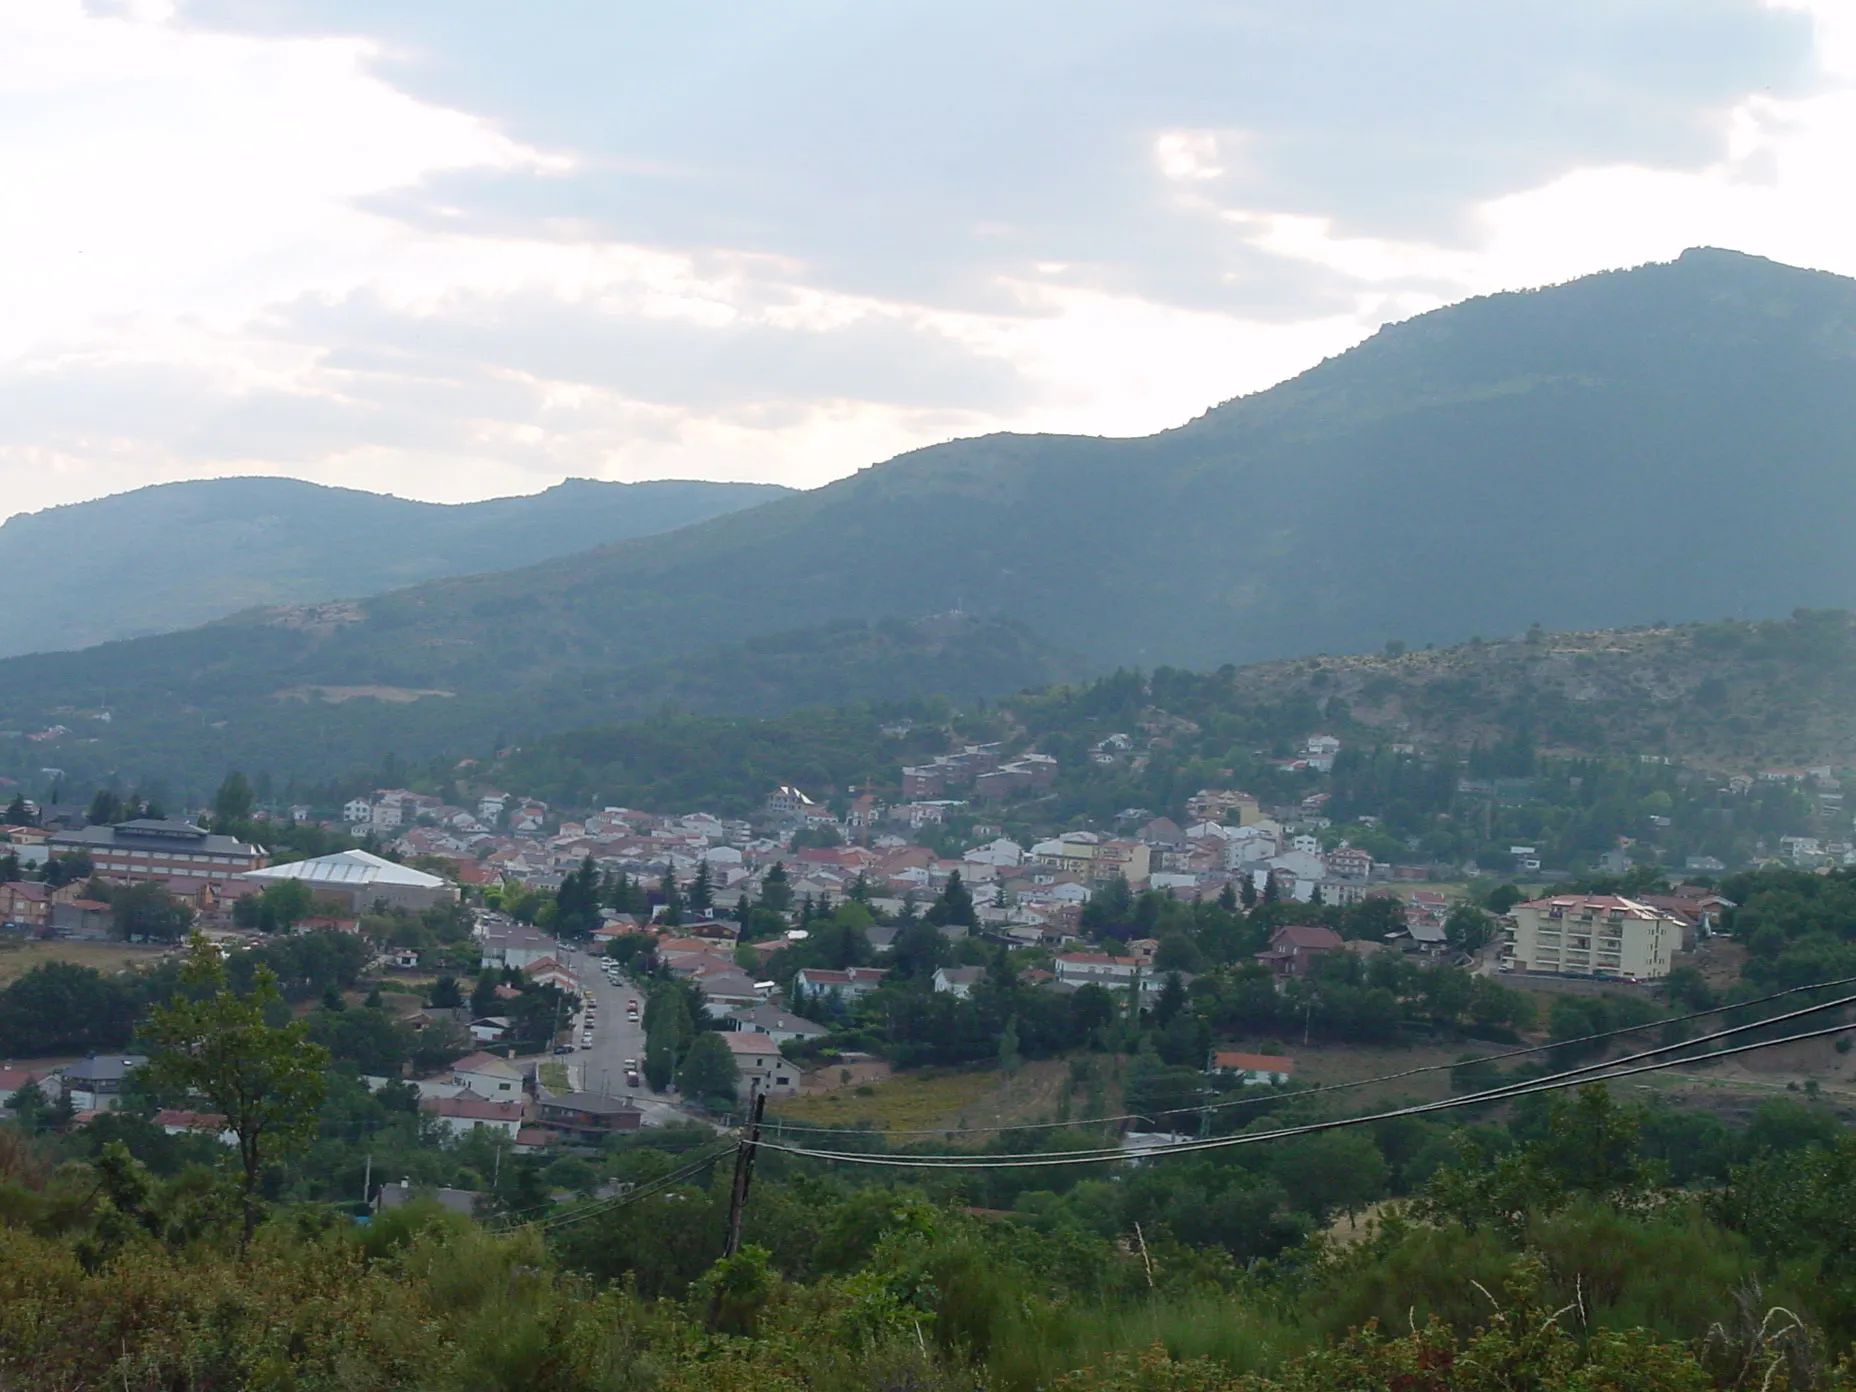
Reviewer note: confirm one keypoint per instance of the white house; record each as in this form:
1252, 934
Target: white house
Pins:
466, 1112
488, 1076
815, 983
1003, 851
1096, 968
515, 946
958, 981
781, 1026
759, 1062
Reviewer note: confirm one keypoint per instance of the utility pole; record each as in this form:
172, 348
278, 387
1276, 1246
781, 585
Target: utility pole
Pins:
744, 1172
367, 1181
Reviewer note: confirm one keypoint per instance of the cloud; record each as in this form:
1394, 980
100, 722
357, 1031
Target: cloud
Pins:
461, 249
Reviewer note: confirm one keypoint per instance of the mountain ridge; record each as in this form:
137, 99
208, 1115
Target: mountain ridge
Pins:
174, 555
1672, 441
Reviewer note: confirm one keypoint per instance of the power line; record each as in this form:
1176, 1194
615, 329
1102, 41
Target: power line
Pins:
643, 1191
1577, 1077
1573, 1043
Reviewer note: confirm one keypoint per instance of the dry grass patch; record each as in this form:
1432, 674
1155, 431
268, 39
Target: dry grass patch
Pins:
18, 957
922, 1100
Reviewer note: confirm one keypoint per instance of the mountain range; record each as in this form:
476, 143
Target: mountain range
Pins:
175, 555
1674, 441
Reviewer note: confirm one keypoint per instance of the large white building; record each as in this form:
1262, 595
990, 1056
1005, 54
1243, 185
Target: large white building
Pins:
1593, 935
361, 880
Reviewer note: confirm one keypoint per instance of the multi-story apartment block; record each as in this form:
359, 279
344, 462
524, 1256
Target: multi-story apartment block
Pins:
1093, 859
147, 849
1594, 935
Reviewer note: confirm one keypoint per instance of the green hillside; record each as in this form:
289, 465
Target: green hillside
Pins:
1670, 442
179, 554
1563, 740
312, 734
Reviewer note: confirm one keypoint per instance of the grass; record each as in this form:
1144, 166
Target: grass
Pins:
18, 957
1322, 1064
929, 1098
553, 1076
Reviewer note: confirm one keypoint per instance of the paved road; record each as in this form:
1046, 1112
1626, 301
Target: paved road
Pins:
601, 1068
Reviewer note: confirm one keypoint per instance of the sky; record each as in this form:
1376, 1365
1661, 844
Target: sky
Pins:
454, 249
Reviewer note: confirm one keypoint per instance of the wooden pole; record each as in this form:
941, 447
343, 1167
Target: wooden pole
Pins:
744, 1172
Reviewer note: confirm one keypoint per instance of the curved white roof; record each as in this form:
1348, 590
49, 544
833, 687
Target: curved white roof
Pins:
347, 869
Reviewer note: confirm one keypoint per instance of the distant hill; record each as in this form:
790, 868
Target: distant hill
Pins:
179, 554
1731, 697
312, 734
1676, 441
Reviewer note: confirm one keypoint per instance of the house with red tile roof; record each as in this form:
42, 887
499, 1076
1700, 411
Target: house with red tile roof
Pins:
1295, 947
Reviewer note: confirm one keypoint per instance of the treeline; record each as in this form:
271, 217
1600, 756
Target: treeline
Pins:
62, 1008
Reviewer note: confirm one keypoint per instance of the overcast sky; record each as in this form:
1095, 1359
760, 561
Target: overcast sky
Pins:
457, 248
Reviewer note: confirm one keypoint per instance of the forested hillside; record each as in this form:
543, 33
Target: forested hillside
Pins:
310, 734
1578, 456
179, 554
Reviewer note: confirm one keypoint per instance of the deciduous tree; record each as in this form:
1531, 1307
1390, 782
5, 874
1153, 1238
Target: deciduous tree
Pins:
215, 1043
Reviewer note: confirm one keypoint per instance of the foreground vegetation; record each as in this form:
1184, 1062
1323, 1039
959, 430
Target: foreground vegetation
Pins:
1550, 1252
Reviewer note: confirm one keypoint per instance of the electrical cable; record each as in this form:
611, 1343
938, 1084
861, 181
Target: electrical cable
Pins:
1500, 1092
1576, 1077
785, 1129
643, 1191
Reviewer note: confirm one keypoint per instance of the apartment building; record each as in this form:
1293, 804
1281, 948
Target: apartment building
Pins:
1093, 859
149, 849
1593, 935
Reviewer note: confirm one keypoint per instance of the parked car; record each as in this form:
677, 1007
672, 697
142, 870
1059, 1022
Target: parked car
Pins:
563, 1048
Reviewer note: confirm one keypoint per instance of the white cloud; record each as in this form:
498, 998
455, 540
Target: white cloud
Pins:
370, 261
1782, 189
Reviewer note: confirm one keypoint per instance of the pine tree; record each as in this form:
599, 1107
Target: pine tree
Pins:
776, 890
673, 902
701, 897
1248, 891
232, 804
1227, 898
1316, 897
860, 889
955, 906
1270, 892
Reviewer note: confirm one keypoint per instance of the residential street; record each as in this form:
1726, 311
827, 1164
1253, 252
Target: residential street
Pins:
601, 1068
